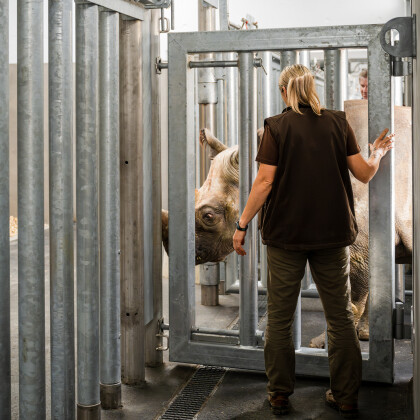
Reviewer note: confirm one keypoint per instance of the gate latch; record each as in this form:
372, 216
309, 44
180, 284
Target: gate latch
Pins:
161, 335
404, 47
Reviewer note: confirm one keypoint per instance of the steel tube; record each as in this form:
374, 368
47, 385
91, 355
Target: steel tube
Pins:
132, 203
416, 218
87, 210
5, 379
60, 85
304, 58
248, 309
332, 78
212, 64
31, 210
109, 210
233, 333
154, 357
287, 58
344, 76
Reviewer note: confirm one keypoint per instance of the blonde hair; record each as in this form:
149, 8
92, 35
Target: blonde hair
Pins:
300, 85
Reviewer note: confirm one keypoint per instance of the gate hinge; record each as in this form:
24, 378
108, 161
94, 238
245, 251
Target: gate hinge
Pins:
404, 47
161, 335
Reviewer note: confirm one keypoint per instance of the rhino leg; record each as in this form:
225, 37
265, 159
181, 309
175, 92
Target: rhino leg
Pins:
363, 326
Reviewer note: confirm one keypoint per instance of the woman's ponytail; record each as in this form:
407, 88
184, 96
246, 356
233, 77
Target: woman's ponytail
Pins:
300, 85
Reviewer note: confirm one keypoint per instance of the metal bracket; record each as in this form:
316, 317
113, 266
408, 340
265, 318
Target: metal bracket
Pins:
406, 27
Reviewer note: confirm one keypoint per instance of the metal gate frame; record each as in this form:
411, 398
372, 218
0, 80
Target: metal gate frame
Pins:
378, 362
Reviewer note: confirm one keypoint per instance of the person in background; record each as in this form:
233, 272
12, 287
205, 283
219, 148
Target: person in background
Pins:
303, 185
363, 82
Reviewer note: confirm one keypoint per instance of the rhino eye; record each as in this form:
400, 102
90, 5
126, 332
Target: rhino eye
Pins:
209, 216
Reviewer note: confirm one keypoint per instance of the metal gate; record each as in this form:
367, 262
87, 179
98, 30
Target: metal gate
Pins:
378, 362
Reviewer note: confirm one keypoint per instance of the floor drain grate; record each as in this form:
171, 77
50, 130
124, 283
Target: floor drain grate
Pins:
199, 388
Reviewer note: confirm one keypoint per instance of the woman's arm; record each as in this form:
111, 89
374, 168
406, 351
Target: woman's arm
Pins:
259, 193
364, 170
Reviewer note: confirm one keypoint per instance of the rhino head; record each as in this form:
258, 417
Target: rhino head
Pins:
216, 203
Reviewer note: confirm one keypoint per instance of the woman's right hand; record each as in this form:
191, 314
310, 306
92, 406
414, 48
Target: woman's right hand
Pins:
382, 144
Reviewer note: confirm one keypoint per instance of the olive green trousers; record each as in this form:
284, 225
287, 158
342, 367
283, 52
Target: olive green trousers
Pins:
330, 270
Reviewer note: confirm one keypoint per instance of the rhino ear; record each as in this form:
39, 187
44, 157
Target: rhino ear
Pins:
234, 159
207, 139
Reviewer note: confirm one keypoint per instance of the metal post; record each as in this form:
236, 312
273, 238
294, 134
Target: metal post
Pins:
207, 100
332, 78
304, 58
154, 357
132, 215
88, 404
31, 210
248, 310
60, 85
344, 76
5, 384
400, 282
297, 325
109, 210
416, 217
287, 58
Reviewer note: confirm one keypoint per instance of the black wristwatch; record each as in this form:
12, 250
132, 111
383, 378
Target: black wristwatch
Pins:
240, 228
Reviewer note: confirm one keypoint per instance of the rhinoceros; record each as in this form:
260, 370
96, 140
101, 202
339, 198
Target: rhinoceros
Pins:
217, 201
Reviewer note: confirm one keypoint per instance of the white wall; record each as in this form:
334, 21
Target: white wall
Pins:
268, 13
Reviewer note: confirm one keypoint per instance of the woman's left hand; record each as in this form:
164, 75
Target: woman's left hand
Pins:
238, 241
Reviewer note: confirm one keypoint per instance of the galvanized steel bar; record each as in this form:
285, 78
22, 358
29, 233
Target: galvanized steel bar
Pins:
60, 86
332, 79
109, 210
416, 217
381, 219
88, 400
248, 309
30, 92
344, 76
132, 204
304, 58
5, 379
287, 58
153, 356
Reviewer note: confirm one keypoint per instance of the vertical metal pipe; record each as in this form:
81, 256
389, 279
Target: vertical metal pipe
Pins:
344, 77
31, 210
220, 111
5, 378
207, 100
60, 87
287, 58
132, 205
304, 58
109, 210
398, 93
416, 218
87, 211
232, 102
248, 310
154, 357
332, 78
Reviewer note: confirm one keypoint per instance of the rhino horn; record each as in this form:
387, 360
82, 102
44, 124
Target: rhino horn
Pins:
165, 229
215, 145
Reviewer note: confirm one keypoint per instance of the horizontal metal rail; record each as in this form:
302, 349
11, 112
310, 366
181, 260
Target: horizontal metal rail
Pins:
208, 64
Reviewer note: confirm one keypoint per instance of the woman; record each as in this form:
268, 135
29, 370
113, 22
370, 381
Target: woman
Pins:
303, 185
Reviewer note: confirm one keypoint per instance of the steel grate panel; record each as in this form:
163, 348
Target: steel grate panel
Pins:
262, 311
194, 395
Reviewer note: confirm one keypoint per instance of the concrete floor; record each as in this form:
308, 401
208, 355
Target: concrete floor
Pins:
241, 394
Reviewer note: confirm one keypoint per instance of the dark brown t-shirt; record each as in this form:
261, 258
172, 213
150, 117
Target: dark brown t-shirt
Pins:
311, 203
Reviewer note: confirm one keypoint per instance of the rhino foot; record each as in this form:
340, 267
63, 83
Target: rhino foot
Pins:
318, 342
363, 331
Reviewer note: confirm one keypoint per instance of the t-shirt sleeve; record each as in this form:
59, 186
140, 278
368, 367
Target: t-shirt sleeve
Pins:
268, 152
352, 146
